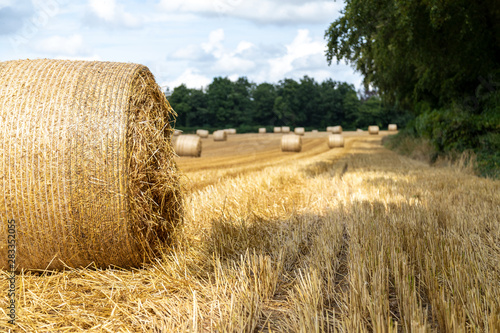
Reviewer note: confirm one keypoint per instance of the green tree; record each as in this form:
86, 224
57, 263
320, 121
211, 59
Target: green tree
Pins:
286, 106
264, 96
220, 106
426, 51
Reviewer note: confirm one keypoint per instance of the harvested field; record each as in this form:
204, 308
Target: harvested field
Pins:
354, 239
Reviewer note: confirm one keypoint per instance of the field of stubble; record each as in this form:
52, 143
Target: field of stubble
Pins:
356, 239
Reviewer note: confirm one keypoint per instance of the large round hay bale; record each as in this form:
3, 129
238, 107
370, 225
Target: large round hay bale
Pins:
188, 145
392, 127
285, 129
291, 142
299, 131
87, 169
262, 130
335, 141
202, 133
337, 130
220, 135
277, 130
231, 131
373, 129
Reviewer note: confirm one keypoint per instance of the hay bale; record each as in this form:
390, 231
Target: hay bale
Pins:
291, 142
359, 130
277, 130
392, 127
373, 129
87, 168
231, 131
299, 131
188, 145
177, 132
220, 135
335, 141
262, 130
285, 129
314, 131
329, 129
202, 133
337, 130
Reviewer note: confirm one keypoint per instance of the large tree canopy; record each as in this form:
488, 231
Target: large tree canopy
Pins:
433, 51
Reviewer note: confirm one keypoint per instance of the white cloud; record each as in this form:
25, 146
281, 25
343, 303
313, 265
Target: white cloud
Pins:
229, 63
214, 44
261, 11
244, 46
191, 78
111, 14
216, 57
301, 48
105, 9
62, 46
192, 53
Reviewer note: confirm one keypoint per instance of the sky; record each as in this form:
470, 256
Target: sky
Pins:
181, 41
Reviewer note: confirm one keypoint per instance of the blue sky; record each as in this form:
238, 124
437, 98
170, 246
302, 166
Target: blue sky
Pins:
181, 41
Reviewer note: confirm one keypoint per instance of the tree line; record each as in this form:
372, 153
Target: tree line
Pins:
438, 59
307, 103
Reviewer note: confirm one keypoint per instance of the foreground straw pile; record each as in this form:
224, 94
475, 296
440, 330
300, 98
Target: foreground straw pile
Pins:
348, 240
86, 164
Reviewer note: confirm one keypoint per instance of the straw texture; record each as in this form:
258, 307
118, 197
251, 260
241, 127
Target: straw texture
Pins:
188, 145
373, 129
337, 130
299, 130
277, 130
262, 130
220, 135
335, 141
285, 129
86, 164
291, 142
202, 133
393, 127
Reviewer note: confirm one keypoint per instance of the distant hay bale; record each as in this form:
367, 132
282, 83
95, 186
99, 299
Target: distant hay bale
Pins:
277, 130
220, 135
262, 130
188, 145
285, 129
335, 141
314, 131
177, 132
373, 129
392, 127
87, 165
329, 129
231, 131
337, 130
359, 130
202, 133
299, 130
291, 142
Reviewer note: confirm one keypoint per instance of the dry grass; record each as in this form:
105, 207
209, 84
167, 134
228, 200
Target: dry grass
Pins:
351, 240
